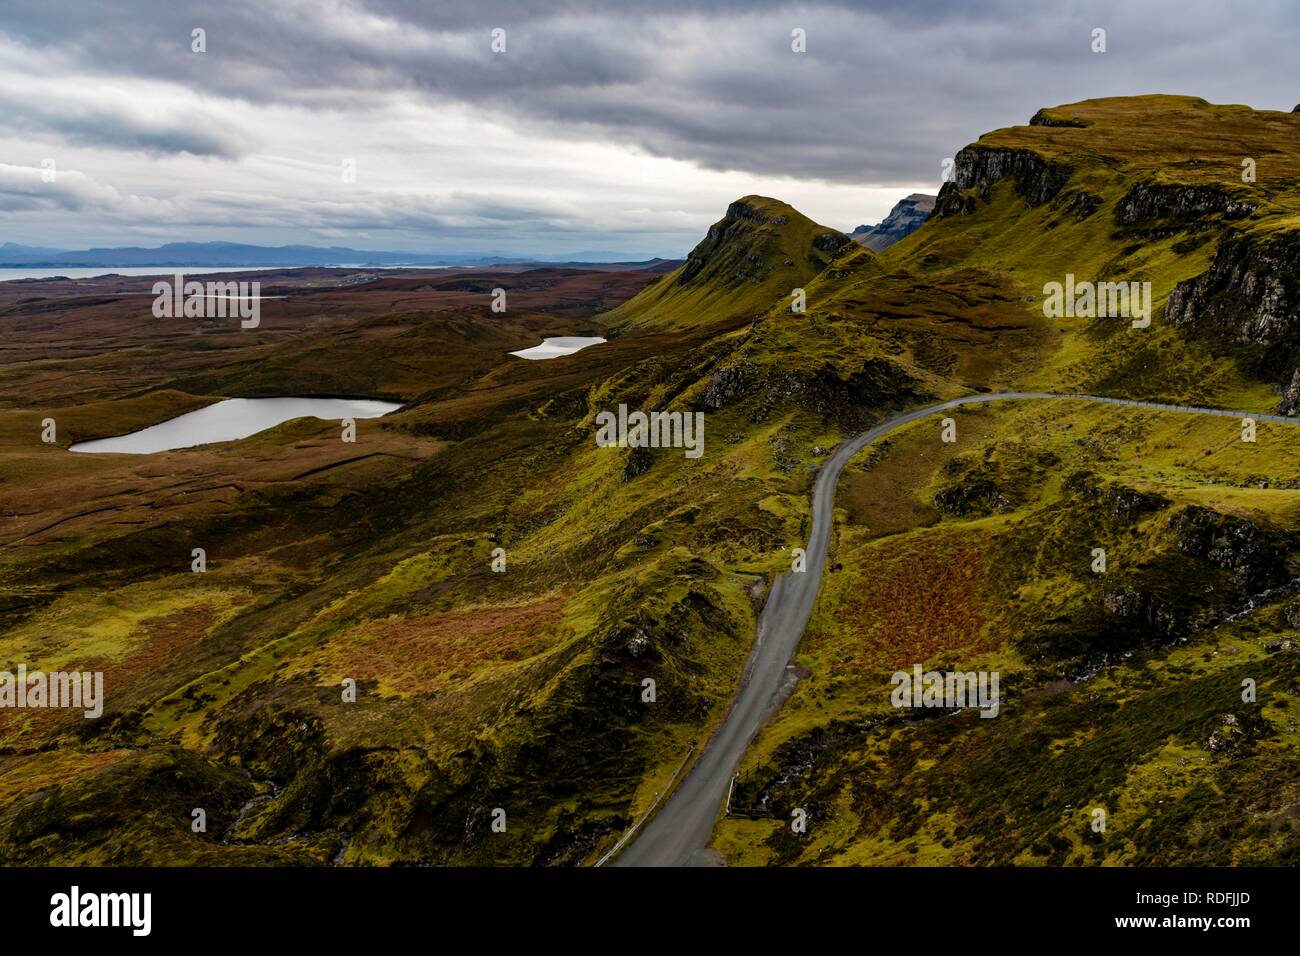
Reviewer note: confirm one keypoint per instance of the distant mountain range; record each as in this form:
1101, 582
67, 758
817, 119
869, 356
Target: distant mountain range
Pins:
222, 254
904, 219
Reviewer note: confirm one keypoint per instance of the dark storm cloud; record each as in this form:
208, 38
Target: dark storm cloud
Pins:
884, 93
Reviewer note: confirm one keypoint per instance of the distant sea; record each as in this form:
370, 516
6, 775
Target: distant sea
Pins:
47, 272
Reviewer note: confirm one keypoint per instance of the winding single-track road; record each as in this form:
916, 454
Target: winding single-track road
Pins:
678, 835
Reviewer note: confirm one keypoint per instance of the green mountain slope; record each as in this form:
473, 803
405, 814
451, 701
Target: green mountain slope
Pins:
755, 255
1142, 189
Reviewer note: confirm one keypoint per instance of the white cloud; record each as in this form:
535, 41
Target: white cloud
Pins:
46, 93
45, 188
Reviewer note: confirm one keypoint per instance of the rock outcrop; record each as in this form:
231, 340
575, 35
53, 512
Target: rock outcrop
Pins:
1044, 118
1184, 206
1037, 180
852, 401
1255, 553
977, 496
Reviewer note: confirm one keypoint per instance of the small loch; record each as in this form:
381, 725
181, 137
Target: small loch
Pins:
557, 345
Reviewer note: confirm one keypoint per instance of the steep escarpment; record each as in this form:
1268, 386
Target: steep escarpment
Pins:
1173, 205
978, 168
1190, 199
1127, 574
1249, 299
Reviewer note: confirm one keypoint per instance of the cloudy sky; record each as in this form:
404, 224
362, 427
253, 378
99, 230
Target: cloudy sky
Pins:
622, 126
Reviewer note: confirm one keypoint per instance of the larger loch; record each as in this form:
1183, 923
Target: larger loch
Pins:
232, 419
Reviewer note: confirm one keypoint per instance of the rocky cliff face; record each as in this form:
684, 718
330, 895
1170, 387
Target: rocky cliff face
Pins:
1180, 206
905, 218
979, 167
1250, 298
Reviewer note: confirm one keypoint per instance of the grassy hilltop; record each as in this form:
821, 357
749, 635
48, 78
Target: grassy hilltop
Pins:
522, 690
760, 250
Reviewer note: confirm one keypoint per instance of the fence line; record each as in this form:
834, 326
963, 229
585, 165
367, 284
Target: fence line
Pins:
646, 816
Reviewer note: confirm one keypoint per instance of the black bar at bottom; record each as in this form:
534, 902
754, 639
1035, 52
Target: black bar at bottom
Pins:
540, 906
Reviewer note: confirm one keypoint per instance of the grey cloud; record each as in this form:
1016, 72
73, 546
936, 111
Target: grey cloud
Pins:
885, 91
456, 218
121, 131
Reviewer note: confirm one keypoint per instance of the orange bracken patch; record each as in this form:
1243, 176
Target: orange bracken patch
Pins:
164, 638
913, 600
420, 654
